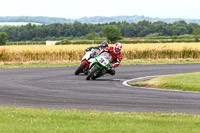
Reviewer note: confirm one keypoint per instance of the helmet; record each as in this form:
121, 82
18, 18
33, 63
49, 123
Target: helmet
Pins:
117, 48
104, 44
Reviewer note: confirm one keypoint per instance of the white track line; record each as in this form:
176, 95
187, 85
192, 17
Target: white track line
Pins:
141, 78
148, 77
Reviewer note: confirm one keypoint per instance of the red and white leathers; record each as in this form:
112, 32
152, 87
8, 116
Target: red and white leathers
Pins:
116, 58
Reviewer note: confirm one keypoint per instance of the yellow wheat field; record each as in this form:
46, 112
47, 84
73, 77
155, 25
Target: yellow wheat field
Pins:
76, 52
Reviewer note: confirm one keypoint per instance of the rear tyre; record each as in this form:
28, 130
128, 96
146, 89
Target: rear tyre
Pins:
86, 72
93, 77
95, 69
80, 68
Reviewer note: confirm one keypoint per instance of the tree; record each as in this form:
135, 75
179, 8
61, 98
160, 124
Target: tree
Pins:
196, 33
175, 32
112, 33
3, 38
91, 36
65, 41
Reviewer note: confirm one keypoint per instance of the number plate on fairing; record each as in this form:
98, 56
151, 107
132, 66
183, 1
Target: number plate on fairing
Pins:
103, 61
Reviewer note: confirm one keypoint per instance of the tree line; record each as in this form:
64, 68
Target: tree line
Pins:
95, 19
71, 30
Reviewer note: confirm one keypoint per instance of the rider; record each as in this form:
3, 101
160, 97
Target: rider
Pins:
104, 44
116, 54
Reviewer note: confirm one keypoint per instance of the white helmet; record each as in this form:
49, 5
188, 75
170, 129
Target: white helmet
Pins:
117, 48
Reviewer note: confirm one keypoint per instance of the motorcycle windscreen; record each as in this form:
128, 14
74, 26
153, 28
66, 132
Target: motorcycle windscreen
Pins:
104, 59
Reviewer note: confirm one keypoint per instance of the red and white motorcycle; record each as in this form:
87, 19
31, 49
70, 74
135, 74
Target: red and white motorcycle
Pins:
85, 62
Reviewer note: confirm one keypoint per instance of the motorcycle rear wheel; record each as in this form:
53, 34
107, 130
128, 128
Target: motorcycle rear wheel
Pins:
93, 77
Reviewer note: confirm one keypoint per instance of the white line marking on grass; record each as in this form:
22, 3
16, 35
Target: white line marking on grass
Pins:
149, 77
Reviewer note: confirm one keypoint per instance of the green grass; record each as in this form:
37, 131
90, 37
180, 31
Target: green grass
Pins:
27, 120
76, 63
186, 82
38, 65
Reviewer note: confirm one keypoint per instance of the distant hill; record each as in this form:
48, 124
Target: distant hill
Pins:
39, 19
16, 23
97, 19
132, 19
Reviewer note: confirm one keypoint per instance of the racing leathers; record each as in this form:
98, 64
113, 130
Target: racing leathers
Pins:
116, 59
94, 50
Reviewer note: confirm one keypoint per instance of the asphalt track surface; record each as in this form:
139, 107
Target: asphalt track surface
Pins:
59, 88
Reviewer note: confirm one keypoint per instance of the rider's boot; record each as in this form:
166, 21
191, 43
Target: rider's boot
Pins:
111, 71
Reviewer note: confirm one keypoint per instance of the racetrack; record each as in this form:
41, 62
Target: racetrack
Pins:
59, 88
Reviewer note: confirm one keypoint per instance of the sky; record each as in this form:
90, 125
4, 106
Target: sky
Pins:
187, 9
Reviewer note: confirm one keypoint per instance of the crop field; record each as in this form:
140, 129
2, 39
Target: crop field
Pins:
76, 52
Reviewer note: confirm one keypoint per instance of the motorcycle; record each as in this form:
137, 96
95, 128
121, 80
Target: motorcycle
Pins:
99, 66
85, 62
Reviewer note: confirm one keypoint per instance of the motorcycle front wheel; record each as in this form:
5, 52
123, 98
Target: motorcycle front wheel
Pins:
80, 68
94, 69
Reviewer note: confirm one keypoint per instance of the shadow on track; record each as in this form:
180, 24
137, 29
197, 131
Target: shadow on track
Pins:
116, 80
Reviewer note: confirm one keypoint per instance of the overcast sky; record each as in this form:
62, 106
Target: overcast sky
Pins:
87, 8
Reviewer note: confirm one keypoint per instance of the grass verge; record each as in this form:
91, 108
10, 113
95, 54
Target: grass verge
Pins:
186, 82
29, 120
76, 63
38, 64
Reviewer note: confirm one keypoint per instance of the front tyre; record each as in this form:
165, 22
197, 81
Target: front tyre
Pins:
80, 68
95, 69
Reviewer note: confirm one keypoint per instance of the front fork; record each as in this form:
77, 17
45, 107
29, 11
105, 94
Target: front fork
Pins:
86, 65
103, 71
93, 65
